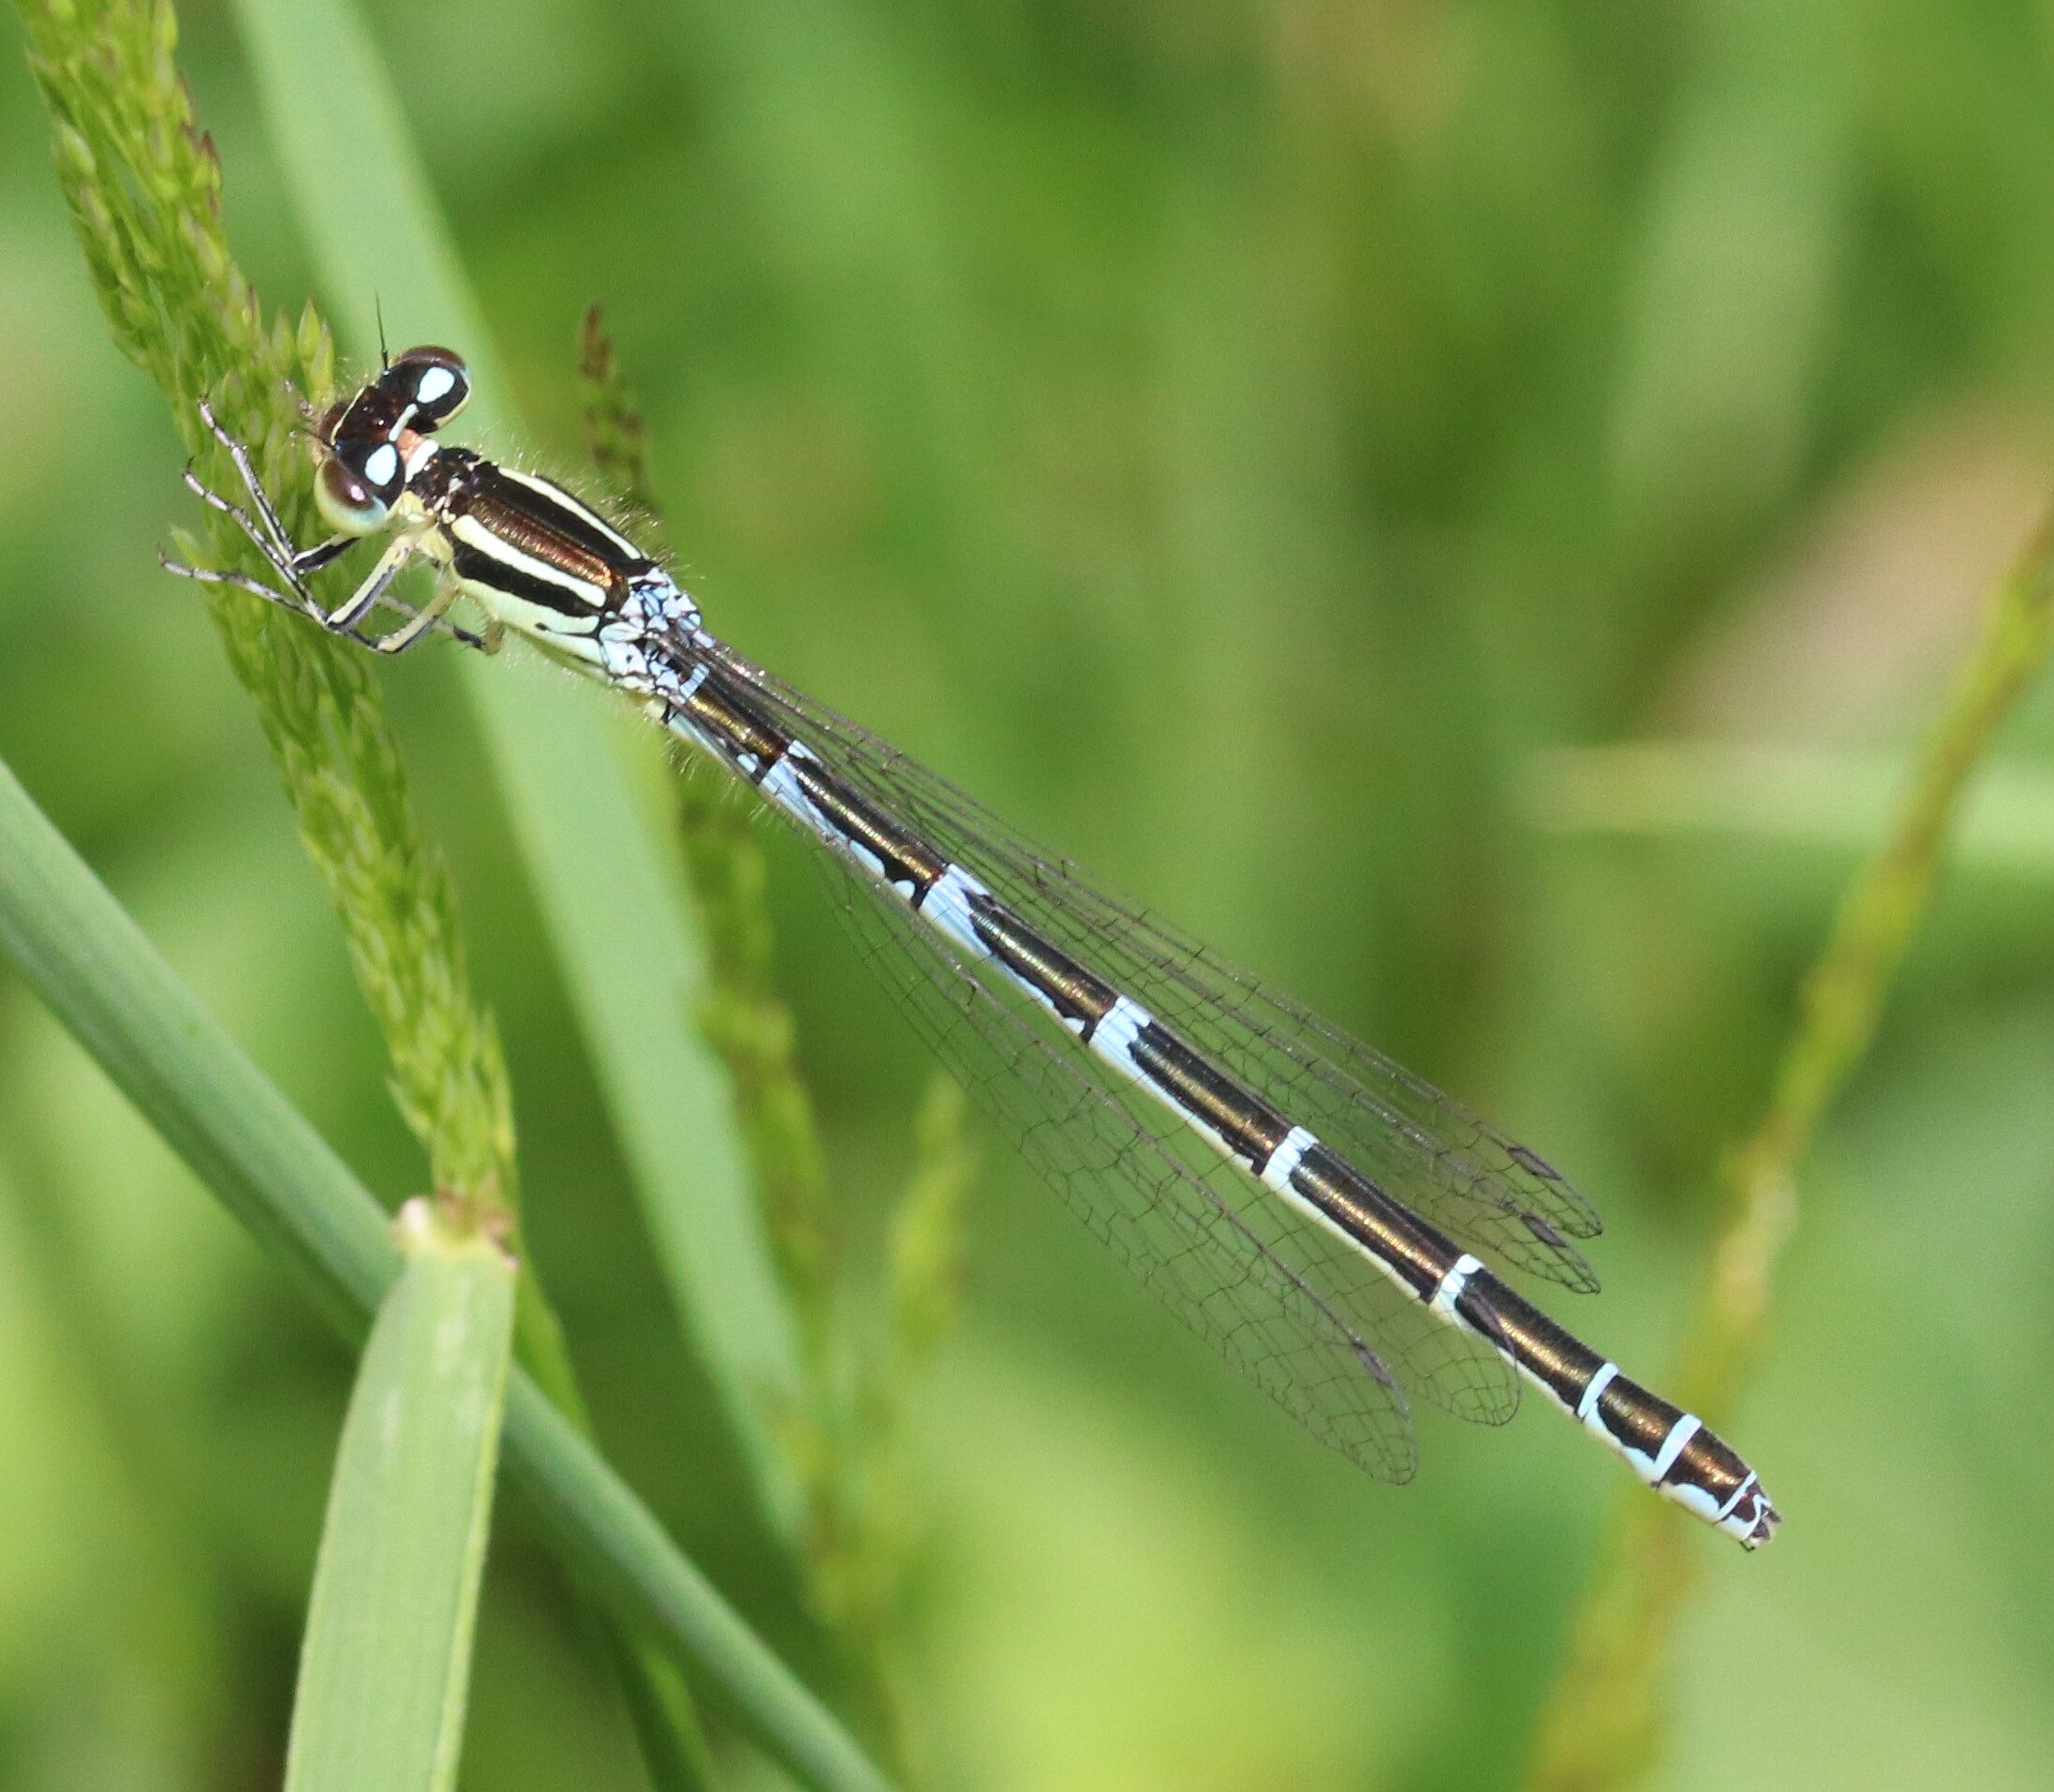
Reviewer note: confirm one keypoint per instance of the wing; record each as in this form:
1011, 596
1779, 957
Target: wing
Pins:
1140, 1190
1426, 1149
1303, 1312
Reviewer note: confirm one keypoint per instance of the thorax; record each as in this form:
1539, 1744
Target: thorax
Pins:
523, 547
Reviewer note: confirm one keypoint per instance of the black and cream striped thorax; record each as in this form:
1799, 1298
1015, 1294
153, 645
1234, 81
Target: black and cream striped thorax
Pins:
511, 536
1326, 1220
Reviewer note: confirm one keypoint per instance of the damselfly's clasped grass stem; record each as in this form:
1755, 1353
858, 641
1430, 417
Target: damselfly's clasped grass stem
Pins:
1319, 1213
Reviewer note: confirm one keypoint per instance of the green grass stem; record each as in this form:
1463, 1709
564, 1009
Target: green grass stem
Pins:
846, 1438
1799, 797
1604, 1723
90, 964
145, 192
603, 867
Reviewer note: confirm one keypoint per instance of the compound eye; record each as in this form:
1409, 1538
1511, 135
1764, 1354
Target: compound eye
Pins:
351, 506
436, 381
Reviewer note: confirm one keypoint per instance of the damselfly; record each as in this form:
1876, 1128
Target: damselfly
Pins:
1317, 1212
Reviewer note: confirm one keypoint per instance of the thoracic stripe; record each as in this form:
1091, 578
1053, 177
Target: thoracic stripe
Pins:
562, 512
551, 535
509, 533
499, 571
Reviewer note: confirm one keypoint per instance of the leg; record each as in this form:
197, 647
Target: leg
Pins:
267, 534
345, 619
304, 560
348, 616
488, 639
294, 597
353, 609
290, 564
239, 455
265, 531
323, 554
419, 621
257, 589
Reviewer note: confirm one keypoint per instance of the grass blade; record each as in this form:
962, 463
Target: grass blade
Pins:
387, 1658
375, 231
144, 186
1744, 795
108, 986
1607, 1716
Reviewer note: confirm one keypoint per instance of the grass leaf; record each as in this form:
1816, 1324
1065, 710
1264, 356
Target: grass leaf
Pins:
144, 186
386, 1662
109, 987
609, 891
1741, 796
1607, 1717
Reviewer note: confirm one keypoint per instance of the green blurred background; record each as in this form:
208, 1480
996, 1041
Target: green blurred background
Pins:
1263, 449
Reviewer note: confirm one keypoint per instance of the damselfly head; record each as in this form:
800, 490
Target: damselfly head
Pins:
372, 442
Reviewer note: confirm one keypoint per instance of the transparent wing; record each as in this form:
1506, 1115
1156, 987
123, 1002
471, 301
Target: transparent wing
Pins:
1422, 1147
1161, 1214
1305, 1314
